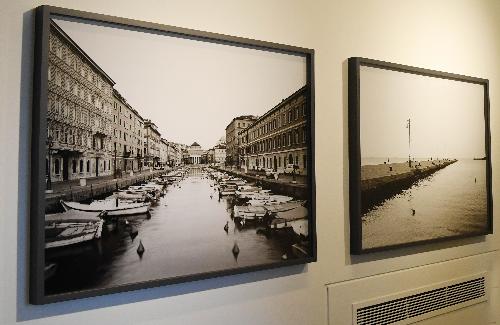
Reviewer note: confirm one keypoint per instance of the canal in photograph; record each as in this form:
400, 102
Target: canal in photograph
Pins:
184, 236
450, 202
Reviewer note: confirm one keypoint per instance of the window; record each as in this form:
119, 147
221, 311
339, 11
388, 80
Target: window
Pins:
81, 166
304, 161
57, 167
73, 165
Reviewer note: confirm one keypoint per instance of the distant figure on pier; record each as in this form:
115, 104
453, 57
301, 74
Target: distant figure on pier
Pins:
475, 180
211, 196
388, 160
226, 227
412, 212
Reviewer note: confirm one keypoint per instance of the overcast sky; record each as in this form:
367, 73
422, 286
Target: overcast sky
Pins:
190, 89
447, 117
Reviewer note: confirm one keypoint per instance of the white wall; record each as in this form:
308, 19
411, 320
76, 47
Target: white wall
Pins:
460, 36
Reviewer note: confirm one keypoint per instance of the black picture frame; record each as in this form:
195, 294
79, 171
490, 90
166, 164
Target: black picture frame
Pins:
355, 83
43, 16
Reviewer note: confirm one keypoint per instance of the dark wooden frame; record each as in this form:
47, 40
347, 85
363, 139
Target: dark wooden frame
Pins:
39, 137
354, 91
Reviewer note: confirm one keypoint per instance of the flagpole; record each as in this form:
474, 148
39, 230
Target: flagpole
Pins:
408, 126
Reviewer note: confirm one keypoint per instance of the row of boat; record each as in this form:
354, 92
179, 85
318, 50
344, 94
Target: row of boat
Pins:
258, 206
83, 222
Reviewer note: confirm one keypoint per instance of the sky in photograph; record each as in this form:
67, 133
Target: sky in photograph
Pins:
190, 89
447, 117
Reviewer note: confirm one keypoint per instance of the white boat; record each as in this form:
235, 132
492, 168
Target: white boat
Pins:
129, 196
296, 219
112, 207
257, 213
262, 194
228, 190
269, 200
72, 227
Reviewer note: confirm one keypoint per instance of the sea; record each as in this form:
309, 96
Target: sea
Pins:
450, 202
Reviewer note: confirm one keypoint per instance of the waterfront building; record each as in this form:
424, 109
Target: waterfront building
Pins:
278, 138
175, 154
79, 112
128, 135
195, 153
220, 154
210, 155
163, 152
232, 146
152, 138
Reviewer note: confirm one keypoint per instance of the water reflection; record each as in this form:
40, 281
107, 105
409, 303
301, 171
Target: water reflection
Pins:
184, 235
450, 202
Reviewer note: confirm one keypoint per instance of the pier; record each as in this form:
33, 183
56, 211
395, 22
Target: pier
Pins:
380, 182
96, 187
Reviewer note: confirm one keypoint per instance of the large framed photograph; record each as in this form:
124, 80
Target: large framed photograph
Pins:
419, 156
162, 155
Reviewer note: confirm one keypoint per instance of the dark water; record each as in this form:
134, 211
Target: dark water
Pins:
450, 202
184, 236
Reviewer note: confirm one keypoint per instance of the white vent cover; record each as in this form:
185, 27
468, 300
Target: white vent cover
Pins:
414, 305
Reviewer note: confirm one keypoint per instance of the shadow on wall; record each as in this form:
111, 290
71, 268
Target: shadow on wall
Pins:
25, 311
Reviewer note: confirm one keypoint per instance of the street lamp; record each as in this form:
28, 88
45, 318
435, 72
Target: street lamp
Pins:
114, 172
50, 144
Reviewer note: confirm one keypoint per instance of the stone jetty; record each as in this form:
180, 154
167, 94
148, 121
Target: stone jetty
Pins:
381, 182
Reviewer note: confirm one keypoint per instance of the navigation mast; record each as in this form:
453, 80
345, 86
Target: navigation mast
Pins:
408, 126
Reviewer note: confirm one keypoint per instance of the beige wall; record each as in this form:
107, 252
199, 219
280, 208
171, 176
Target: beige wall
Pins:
451, 35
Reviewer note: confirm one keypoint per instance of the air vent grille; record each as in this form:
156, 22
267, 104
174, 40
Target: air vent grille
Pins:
419, 304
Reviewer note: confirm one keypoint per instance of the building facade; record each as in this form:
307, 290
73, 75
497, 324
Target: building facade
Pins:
232, 141
175, 154
220, 154
128, 135
79, 112
195, 153
278, 138
152, 138
163, 153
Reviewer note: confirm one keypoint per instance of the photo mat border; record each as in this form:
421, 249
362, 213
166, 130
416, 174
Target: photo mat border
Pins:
354, 151
39, 136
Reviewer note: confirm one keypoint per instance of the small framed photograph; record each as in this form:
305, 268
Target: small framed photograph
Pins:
162, 155
419, 156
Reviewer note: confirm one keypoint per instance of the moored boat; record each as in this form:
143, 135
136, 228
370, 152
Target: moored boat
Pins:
72, 227
112, 207
249, 213
294, 219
